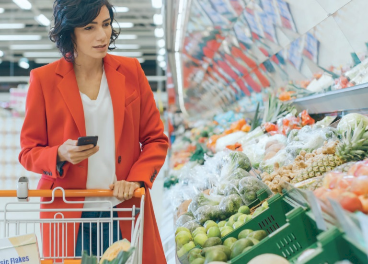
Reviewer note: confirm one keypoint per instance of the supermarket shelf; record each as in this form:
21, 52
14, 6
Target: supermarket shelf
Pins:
341, 100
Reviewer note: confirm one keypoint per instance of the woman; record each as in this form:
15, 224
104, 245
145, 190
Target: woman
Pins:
86, 93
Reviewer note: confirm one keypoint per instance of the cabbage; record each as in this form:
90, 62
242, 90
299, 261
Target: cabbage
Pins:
350, 121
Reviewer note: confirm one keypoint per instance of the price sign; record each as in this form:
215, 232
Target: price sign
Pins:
347, 224
316, 209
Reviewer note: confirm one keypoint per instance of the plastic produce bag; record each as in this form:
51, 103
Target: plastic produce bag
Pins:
255, 150
230, 205
191, 225
280, 158
201, 200
182, 220
248, 188
207, 212
308, 139
233, 161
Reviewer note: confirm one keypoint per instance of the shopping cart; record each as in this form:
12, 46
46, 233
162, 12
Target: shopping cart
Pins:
22, 217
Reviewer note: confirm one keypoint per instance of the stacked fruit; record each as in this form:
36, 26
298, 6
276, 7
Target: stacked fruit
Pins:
211, 246
350, 189
210, 233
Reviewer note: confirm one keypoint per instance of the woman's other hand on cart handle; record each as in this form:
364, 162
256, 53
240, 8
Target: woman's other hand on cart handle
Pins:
124, 190
74, 154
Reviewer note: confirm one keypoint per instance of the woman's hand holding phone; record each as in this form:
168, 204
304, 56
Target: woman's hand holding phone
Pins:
71, 152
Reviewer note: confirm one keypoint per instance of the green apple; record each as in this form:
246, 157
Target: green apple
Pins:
200, 239
182, 238
221, 224
242, 217
226, 232
229, 223
199, 230
230, 241
214, 232
237, 224
248, 218
244, 209
209, 224
179, 229
185, 248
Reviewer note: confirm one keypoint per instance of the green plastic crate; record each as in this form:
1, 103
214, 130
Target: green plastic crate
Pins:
290, 240
269, 220
333, 246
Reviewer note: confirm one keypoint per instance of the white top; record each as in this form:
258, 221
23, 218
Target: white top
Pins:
99, 118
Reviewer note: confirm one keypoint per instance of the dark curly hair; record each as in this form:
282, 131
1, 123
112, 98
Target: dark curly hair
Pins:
69, 14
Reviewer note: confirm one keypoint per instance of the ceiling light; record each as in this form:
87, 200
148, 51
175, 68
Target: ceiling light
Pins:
19, 37
156, 3
2, 10
127, 54
31, 47
162, 64
161, 43
1, 53
34, 54
11, 25
159, 32
157, 19
45, 61
121, 9
162, 51
127, 37
23, 63
43, 20
160, 58
123, 25
24, 4
127, 46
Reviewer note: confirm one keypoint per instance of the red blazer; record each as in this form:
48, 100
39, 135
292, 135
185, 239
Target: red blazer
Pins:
54, 114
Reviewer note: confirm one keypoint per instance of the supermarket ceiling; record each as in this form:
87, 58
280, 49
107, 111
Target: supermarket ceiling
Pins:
138, 20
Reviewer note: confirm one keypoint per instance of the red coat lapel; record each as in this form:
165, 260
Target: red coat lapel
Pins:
68, 88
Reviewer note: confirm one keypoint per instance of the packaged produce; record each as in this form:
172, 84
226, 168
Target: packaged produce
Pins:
230, 204
234, 161
202, 199
248, 188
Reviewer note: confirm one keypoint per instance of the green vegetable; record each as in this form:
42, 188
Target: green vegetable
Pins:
255, 122
204, 134
239, 160
198, 155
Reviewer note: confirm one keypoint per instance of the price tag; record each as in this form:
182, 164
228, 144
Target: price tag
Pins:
317, 211
363, 220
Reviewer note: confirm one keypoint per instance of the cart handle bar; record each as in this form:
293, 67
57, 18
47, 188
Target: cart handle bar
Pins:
138, 193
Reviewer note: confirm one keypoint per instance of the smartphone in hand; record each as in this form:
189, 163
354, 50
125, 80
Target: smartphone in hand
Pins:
90, 140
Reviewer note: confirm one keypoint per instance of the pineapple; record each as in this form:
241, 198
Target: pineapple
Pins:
352, 147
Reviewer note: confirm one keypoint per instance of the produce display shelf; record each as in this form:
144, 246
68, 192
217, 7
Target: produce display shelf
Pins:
333, 246
271, 218
290, 240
